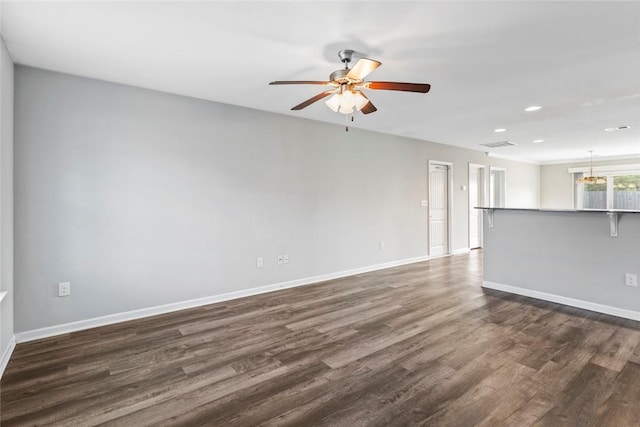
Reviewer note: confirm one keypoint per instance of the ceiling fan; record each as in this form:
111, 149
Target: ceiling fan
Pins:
346, 86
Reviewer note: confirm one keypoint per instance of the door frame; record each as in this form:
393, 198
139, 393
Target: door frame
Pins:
482, 197
449, 203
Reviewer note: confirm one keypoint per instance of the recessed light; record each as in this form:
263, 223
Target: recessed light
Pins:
532, 108
610, 129
537, 141
499, 130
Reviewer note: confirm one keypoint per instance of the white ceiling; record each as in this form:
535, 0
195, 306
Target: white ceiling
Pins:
486, 62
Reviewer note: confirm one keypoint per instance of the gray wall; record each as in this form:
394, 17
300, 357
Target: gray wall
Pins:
6, 196
556, 183
570, 254
141, 198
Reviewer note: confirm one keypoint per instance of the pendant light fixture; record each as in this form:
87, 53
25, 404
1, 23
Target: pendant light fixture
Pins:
591, 179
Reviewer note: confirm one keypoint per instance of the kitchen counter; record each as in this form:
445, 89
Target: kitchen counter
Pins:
574, 257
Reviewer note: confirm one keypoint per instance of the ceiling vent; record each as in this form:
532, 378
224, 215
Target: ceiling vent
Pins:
498, 144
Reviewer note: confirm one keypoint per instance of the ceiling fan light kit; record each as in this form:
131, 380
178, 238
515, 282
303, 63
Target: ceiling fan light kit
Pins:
347, 102
347, 85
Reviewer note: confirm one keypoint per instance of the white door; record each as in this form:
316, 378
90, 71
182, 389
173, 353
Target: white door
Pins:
475, 200
438, 210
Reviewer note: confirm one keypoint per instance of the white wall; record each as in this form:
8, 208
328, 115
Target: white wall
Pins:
141, 198
6, 204
556, 183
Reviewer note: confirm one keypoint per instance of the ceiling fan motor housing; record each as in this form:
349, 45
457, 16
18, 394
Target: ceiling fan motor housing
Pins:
340, 76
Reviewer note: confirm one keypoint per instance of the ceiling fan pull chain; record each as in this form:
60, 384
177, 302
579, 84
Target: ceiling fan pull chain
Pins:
346, 123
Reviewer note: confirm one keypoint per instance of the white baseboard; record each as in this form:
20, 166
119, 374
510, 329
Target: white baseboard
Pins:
587, 305
80, 325
461, 251
452, 253
7, 355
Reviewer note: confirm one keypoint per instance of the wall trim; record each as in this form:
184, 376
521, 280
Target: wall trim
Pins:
587, 305
461, 251
609, 170
110, 319
597, 160
4, 361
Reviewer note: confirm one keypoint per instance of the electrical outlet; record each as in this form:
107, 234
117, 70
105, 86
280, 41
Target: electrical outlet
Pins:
631, 279
280, 259
64, 289
382, 245
259, 262
285, 258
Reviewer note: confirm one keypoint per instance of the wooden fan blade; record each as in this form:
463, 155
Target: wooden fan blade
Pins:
369, 108
405, 87
363, 67
310, 101
300, 82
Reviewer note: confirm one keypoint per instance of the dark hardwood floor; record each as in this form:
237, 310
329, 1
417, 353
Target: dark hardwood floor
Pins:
421, 344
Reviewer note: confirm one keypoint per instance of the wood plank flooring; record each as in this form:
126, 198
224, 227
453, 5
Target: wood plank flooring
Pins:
421, 344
